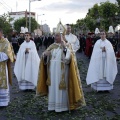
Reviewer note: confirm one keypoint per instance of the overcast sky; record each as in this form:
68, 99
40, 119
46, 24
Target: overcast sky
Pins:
69, 11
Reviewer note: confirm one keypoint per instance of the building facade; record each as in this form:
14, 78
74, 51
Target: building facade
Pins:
20, 14
45, 28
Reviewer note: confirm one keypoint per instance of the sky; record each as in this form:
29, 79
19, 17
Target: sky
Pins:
68, 11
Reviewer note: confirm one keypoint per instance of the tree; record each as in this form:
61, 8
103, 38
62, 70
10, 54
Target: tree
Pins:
101, 16
118, 13
5, 24
94, 12
107, 11
22, 23
118, 1
90, 23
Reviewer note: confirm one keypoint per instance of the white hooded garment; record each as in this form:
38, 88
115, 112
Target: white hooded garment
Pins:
27, 65
95, 70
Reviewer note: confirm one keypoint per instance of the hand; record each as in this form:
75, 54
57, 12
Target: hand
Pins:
46, 53
103, 49
63, 43
27, 50
14, 58
63, 37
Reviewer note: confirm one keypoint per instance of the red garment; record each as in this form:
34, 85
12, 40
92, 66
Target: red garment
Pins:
88, 49
118, 54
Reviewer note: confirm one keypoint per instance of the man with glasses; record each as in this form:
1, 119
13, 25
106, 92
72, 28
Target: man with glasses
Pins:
103, 67
27, 64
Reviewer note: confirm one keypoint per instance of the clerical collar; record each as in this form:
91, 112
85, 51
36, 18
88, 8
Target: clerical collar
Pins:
104, 39
27, 41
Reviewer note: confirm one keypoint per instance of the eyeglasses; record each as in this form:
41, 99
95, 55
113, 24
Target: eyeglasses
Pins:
27, 35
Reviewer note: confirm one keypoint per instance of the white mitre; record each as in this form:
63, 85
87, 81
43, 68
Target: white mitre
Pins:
26, 29
117, 28
22, 30
97, 31
111, 30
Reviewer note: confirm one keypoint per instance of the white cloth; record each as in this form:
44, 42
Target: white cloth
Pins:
3, 56
4, 93
102, 84
73, 40
99, 68
25, 85
27, 65
57, 99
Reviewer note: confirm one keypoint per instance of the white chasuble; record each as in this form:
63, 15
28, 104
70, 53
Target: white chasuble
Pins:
73, 40
27, 66
103, 67
57, 98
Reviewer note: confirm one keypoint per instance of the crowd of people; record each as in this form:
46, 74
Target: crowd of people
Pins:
56, 73
43, 40
88, 41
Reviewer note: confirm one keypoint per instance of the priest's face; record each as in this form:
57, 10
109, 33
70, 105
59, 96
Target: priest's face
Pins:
68, 29
103, 35
21, 35
111, 34
27, 37
57, 37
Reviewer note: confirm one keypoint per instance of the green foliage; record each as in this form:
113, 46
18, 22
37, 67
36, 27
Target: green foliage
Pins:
94, 12
108, 10
101, 16
5, 24
118, 1
22, 23
90, 22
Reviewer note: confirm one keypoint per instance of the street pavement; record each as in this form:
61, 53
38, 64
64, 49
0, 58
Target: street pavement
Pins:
100, 106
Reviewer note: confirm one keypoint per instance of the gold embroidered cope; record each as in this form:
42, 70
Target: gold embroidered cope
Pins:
6, 47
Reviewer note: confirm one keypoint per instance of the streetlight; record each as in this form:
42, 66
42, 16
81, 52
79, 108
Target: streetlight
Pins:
30, 13
41, 24
38, 16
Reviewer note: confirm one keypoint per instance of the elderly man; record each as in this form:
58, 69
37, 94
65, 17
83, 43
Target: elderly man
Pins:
6, 56
59, 77
102, 68
27, 64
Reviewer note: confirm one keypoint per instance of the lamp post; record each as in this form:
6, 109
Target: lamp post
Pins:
30, 13
41, 24
29, 16
37, 18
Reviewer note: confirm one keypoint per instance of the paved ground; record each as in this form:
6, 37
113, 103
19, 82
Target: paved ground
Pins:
100, 106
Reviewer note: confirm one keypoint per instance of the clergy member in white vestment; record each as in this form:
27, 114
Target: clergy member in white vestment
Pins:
6, 57
27, 64
64, 89
72, 39
103, 67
